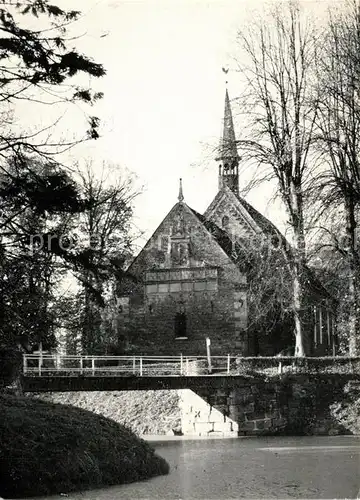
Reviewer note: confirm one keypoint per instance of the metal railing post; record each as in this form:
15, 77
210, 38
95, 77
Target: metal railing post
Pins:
39, 366
81, 365
181, 364
93, 365
208, 352
228, 364
187, 366
141, 367
134, 365
24, 364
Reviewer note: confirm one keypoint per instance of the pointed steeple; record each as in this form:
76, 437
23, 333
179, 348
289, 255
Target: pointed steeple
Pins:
227, 149
181, 195
228, 155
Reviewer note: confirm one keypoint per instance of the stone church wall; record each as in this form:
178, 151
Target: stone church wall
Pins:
203, 284
150, 327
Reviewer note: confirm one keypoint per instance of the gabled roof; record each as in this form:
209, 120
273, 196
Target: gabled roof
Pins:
257, 221
231, 248
265, 224
271, 230
220, 237
227, 194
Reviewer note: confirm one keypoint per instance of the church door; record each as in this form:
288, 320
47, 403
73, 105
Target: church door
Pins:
180, 325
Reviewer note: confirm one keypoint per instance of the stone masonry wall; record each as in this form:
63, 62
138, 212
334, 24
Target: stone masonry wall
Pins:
294, 405
252, 409
219, 313
207, 316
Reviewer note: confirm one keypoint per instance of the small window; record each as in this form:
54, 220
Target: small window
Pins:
164, 243
163, 288
151, 288
225, 221
180, 326
200, 285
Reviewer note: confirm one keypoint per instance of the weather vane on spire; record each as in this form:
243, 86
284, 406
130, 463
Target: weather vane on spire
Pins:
225, 71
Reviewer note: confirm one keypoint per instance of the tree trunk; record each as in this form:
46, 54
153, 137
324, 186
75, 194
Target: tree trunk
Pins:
298, 323
88, 326
91, 328
297, 268
354, 282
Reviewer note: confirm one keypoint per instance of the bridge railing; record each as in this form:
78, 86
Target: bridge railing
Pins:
290, 364
46, 364
53, 364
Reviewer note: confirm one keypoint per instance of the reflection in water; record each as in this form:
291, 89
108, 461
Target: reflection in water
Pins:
303, 467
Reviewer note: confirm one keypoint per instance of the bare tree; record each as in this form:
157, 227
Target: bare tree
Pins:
281, 119
269, 295
338, 140
37, 65
105, 230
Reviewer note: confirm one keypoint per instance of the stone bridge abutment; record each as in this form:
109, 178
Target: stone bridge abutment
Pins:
234, 405
209, 405
250, 409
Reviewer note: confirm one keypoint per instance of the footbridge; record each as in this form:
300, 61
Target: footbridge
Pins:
53, 372
48, 373
220, 395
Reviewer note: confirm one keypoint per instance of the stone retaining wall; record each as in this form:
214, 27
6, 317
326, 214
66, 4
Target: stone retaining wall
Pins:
247, 410
296, 405
299, 404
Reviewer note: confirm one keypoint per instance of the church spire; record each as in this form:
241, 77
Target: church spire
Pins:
181, 195
228, 155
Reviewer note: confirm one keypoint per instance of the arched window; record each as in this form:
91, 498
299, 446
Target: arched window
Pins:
225, 221
180, 326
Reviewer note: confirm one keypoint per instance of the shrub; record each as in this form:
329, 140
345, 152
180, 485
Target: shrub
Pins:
10, 365
48, 448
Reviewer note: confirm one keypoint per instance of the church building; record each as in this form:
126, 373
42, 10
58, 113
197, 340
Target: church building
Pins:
221, 275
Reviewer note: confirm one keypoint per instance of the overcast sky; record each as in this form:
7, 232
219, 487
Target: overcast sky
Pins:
164, 93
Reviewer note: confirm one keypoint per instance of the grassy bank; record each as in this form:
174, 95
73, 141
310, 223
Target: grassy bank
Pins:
145, 412
50, 448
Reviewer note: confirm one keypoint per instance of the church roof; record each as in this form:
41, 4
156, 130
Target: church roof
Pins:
271, 230
232, 250
256, 219
265, 224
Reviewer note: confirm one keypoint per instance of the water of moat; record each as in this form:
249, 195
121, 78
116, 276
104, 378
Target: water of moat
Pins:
281, 467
